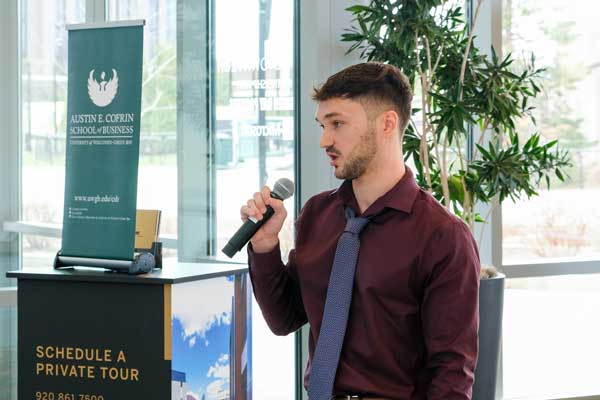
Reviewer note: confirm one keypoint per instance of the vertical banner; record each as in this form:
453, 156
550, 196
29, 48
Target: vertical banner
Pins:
103, 137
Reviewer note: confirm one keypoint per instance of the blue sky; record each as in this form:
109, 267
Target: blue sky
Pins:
196, 360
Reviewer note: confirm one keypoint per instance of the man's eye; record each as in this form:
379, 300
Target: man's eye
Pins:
337, 124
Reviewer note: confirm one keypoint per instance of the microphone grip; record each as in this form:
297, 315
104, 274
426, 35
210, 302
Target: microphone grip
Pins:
245, 233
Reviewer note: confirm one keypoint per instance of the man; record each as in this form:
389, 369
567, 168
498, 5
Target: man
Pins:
410, 330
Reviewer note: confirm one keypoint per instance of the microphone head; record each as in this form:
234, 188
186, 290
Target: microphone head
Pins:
283, 189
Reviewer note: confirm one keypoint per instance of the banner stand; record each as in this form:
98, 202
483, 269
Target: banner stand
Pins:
102, 149
143, 262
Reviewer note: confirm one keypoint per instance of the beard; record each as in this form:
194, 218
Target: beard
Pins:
359, 157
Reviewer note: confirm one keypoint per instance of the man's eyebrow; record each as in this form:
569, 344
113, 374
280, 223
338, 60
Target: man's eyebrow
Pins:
329, 115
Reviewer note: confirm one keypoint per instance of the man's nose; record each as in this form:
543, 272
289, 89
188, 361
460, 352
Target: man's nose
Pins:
326, 139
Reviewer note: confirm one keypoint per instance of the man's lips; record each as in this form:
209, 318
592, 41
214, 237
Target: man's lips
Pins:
332, 158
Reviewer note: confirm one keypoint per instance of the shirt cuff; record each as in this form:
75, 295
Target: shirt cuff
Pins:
264, 263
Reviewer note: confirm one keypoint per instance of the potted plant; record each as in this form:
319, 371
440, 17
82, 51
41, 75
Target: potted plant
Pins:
461, 89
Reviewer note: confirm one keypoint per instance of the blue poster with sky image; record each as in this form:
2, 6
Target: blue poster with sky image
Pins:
212, 340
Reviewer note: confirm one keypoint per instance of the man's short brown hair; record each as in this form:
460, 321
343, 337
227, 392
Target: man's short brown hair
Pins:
371, 83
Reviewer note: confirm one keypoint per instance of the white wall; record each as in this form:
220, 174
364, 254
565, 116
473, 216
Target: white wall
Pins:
321, 54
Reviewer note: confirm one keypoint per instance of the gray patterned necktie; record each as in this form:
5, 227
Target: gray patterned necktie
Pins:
337, 306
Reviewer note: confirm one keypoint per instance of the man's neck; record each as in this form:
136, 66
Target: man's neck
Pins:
377, 182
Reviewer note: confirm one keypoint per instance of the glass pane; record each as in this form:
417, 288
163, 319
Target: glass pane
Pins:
43, 92
8, 352
254, 107
39, 251
255, 146
43, 57
565, 221
157, 176
550, 337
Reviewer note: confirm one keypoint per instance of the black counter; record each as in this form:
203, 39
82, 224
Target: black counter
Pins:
171, 273
91, 333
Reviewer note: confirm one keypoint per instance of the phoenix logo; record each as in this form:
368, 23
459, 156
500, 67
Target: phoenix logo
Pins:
102, 93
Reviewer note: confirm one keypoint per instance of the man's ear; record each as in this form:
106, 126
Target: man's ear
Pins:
390, 121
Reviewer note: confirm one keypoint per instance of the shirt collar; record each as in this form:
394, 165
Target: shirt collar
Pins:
400, 197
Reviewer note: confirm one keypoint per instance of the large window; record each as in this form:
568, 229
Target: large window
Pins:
564, 221
551, 322
217, 123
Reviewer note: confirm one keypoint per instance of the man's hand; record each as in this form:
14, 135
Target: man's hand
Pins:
266, 238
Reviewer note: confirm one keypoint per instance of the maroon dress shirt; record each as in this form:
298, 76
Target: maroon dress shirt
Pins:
412, 328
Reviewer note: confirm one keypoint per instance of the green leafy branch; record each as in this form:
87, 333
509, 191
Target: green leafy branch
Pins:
459, 88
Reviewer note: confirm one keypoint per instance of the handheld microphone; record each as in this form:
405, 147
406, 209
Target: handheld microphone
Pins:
283, 189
